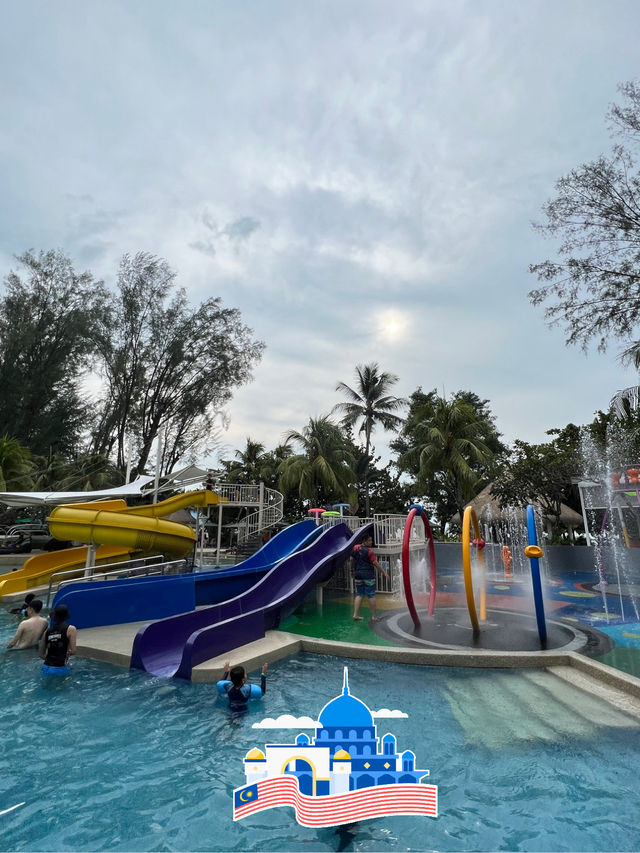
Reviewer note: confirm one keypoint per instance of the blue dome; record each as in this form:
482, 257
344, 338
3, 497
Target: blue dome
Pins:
345, 711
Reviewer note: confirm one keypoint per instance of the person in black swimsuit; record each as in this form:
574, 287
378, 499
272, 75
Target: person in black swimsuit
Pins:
58, 643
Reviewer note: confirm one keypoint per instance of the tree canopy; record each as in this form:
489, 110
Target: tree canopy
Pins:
16, 466
321, 469
592, 288
541, 473
49, 316
167, 365
448, 446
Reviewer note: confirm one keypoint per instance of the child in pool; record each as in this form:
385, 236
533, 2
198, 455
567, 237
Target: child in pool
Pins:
235, 686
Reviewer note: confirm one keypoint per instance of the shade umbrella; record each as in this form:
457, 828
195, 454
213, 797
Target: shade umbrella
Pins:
341, 507
317, 511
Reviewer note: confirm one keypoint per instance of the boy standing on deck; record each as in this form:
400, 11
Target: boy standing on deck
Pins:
364, 564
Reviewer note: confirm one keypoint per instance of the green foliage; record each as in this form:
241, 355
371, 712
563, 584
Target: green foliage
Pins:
249, 464
16, 466
448, 447
369, 404
541, 473
616, 438
321, 471
167, 365
388, 494
89, 472
48, 319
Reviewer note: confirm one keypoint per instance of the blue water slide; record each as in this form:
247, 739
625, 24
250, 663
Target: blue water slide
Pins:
173, 646
137, 599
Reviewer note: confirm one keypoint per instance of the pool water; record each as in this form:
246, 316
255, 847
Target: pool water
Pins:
109, 759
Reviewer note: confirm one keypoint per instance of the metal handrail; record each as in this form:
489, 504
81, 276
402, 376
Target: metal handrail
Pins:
389, 531
237, 493
136, 571
388, 528
269, 514
88, 570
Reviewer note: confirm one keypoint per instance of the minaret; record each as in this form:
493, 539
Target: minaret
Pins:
345, 686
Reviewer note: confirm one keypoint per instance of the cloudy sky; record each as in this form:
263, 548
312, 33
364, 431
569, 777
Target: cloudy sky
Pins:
358, 177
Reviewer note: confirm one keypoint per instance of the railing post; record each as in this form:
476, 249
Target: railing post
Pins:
91, 560
219, 535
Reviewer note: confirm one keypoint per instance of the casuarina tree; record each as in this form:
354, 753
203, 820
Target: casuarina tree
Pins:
49, 316
169, 367
592, 286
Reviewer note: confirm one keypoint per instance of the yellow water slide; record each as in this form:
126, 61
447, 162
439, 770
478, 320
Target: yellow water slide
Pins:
119, 530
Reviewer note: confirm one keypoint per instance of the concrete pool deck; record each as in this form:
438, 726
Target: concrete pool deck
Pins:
112, 644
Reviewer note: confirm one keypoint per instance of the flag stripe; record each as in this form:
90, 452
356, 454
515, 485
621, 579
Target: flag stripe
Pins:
329, 810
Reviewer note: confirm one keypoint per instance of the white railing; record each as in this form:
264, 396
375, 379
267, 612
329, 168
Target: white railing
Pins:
268, 513
140, 567
352, 521
238, 493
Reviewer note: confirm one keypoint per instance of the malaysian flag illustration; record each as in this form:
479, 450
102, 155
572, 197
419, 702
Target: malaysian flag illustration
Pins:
378, 801
346, 774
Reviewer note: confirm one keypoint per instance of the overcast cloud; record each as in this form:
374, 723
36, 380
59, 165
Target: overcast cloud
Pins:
358, 178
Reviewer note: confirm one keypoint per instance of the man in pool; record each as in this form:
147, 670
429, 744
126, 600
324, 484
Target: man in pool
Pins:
58, 643
31, 629
364, 564
235, 686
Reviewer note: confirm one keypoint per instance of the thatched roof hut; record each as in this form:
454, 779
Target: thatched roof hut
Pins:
489, 510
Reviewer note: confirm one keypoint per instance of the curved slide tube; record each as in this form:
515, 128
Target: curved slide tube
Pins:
111, 523
138, 599
140, 528
172, 647
37, 570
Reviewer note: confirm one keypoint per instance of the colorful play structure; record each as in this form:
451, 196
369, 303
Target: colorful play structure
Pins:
195, 616
114, 532
173, 646
470, 522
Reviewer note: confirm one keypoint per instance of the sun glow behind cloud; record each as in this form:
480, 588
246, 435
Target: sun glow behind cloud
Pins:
392, 324
374, 207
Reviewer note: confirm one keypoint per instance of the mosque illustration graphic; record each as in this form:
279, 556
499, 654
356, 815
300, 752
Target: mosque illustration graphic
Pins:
346, 773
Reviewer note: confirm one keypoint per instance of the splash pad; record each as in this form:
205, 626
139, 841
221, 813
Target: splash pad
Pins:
493, 622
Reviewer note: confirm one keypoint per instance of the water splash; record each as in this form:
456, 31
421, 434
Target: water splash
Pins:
608, 498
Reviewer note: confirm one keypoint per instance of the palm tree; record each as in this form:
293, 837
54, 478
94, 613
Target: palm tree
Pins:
370, 404
625, 401
250, 460
271, 461
89, 472
323, 462
248, 464
16, 466
449, 444
50, 471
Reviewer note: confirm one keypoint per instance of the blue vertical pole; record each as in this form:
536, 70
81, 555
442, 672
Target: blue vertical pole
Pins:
535, 576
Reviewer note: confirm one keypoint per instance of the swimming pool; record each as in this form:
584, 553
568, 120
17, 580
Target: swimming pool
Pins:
116, 760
